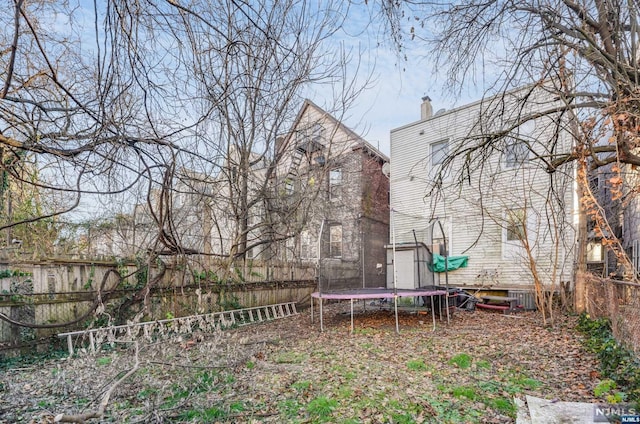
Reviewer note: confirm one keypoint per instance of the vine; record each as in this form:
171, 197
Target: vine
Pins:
617, 363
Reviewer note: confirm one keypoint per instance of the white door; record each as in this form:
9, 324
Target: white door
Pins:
405, 270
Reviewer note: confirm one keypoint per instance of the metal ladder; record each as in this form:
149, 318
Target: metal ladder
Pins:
247, 316
224, 319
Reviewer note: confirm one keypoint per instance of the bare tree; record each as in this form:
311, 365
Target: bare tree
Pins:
251, 74
584, 53
183, 99
536, 229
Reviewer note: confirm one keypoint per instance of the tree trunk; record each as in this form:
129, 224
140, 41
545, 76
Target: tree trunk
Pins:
581, 257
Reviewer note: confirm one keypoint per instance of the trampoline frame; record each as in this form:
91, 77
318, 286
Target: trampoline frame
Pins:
376, 293
387, 293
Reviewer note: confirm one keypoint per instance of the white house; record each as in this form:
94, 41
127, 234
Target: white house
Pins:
476, 179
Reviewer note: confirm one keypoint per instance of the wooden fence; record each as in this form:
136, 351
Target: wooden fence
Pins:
45, 294
149, 330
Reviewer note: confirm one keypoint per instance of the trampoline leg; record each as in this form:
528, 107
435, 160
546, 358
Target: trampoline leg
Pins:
447, 298
321, 322
433, 314
311, 309
395, 301
351, 316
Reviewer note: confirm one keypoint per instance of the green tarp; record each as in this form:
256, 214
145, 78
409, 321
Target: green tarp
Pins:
453, 262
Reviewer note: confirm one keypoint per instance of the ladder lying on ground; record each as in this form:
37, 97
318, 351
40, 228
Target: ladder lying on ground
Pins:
204, 322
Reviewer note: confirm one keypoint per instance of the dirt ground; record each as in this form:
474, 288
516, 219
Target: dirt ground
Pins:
287, 371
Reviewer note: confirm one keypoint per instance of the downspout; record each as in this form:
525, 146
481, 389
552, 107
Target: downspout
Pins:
362, 250
393, 244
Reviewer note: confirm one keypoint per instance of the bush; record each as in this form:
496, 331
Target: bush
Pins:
617, 363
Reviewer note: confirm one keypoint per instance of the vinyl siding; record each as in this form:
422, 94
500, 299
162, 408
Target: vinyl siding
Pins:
475, 208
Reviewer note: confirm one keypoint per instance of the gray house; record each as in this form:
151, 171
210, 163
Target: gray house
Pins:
347, 223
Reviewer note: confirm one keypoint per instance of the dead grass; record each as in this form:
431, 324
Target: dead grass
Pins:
287, 371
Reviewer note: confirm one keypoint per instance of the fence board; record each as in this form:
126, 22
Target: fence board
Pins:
54, 292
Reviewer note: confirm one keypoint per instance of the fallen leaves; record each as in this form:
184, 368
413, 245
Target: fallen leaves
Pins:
365, 375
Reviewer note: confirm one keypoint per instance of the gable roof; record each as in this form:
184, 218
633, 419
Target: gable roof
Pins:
361, 142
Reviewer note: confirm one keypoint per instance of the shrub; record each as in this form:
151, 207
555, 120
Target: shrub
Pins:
617, 363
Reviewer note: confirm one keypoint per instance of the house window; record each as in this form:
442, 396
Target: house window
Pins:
515, 225
335, 184
439, 152
290, 249
317, 132
595, 252
306, 249
289, 186
335, 241
515, 153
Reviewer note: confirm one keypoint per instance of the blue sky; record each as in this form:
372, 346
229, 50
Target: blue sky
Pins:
399, 82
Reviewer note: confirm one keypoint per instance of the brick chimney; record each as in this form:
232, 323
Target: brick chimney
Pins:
426, 110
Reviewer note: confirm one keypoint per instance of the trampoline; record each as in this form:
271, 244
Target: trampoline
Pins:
376, 293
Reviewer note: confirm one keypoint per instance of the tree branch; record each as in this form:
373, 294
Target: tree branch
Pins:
82, 418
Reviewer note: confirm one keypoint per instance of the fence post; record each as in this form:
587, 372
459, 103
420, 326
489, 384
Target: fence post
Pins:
580, 292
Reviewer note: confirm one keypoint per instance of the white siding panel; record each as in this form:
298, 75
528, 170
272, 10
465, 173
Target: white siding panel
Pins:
476, 207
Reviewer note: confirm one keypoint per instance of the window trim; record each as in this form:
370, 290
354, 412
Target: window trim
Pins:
445, 144
435, 170
510, 225
516, 153
594, 248
306, 245
333, 242
289, 248
335, 186
512, 249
